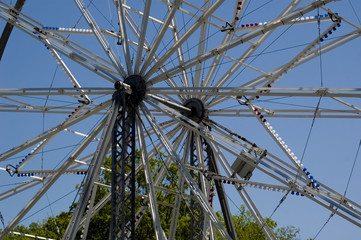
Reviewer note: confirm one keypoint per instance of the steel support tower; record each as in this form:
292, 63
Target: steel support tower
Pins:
123, 170
197, 215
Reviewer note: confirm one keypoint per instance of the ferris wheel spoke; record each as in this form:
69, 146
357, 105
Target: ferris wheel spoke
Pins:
214, 53
143, 32
160, 36
323, 195
309, 55
248, 53
171, 104
18, 189
236, 92
246, 95
53, 131
302, 185
296, 112
237, 12
136, 30
94, 170
131, 9
24, 105
332, 44
32, 153
230, 145
215, 63
98, 33
180, 186
88, 213
123, 32
53, 91
239, 8
195, 8
193, 186
96, 208
256, 214
278, 140
237, 64
168, 97
263, 153
179, 137
333, 201
180, 52
241, 191
234, 43
148, 176
164, 167
66, 70
160, 177
157, 147
276, 171
304, 182
327, 47
40, 109
286, 67
52, 179
281, 143
80, 55
298, 21
183, 38
63, 45
234, 95
288, 113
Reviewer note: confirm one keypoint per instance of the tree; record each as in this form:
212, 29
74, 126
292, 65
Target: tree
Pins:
248, 229
54, 227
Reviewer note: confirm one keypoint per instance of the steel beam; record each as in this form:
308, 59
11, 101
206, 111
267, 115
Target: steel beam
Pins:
188, 178
93, 173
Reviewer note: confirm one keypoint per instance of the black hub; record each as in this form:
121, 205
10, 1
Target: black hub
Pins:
198, 111
138, 87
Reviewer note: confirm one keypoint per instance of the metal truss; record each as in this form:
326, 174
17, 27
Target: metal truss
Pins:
123, 171
296, 178
197, 215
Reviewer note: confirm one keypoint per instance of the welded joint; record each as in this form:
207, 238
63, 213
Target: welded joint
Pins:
321, 92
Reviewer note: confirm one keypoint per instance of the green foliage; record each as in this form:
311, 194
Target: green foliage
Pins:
246, 227
52, 227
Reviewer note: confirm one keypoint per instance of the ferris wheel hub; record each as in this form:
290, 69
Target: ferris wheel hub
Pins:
198, 111
137, 86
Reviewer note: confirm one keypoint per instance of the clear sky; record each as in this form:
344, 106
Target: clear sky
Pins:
328, 153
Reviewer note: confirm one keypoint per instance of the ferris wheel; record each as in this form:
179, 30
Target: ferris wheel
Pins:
252, 103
